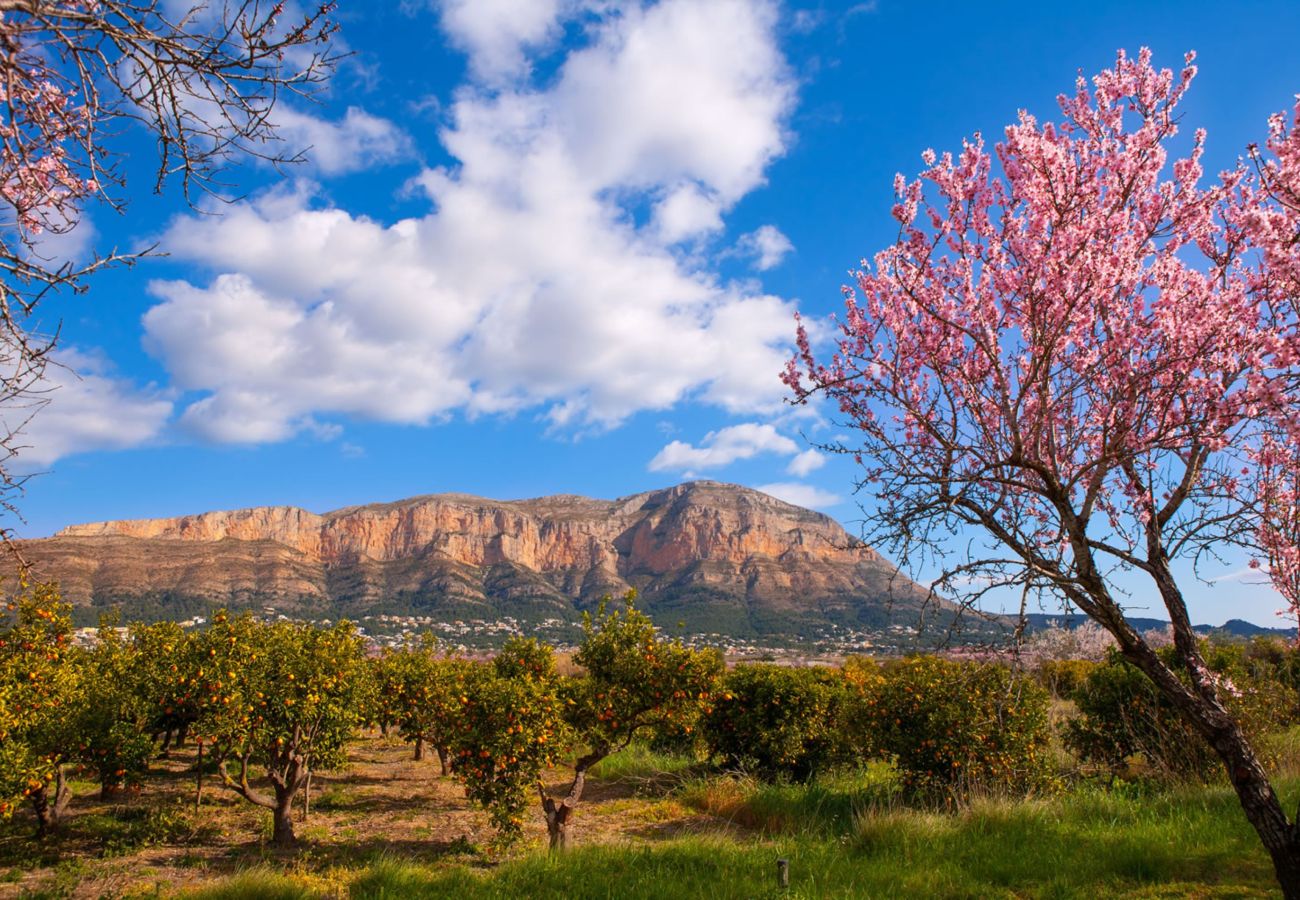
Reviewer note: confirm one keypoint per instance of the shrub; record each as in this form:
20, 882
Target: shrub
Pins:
1062, 677
1123, 715
957, 728
772, 720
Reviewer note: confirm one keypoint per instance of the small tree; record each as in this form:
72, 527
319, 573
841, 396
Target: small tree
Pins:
509, 729
635, 682
42, 698
167, 671
423, 695
1091, 360
776, 720
282, 698
113, 739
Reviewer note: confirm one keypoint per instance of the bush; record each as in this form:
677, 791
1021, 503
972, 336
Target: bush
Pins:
958, 728
1122, 715
1062, 677
774, 721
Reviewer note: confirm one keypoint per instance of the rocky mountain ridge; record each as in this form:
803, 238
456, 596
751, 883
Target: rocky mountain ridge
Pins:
719, 557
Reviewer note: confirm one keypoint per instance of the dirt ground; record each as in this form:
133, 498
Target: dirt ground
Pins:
384, 804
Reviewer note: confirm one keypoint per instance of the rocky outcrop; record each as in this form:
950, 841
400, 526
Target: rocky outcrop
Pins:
703, 552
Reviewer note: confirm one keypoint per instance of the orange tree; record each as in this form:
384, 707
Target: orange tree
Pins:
42, 695
636, 682
284, 698
955, 728
510, 728
775, 720
167, 666
113, 741
422, 695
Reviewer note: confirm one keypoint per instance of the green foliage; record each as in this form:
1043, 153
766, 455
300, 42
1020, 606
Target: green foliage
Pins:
774, 720
522, 657
1062, 677
509, 730
421, 691
167, 667
635, 680
113, 739
42, 693
1123, 715
957, 729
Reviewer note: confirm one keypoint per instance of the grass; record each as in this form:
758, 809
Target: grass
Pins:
652, 826
1090, 846
845, 836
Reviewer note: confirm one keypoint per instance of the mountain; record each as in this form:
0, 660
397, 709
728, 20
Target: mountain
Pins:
715, 557
1233, 628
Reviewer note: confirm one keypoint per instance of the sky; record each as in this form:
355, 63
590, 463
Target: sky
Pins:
557, 246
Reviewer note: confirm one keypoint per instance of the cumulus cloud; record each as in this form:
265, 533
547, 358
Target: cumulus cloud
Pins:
722, 448
357, 141
529, 284
81, 405
496, 34
801, 494
806, 462
767, 245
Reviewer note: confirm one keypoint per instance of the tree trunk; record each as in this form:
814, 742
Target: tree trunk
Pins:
282, 819
559, 814
419, 748
181, 734
444, 760
50, 809
1200, 705
198, 777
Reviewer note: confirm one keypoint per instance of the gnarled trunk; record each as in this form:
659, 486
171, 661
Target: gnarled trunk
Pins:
50, 807
419, 748
444, 760
559, 813
282, 834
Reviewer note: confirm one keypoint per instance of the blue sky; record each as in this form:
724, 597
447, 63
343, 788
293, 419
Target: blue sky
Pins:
555, 246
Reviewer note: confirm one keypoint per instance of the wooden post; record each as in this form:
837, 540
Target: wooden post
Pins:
783, 873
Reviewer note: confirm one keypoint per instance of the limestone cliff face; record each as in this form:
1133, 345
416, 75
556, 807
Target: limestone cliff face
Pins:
731, 551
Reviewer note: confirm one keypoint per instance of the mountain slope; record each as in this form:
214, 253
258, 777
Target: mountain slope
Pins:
718, 557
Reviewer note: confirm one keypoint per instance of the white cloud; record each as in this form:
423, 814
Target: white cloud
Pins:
83, 406
806, 462
722, 448
801, 494
767, 245
357, 141
686, 213
529, 285
497, 33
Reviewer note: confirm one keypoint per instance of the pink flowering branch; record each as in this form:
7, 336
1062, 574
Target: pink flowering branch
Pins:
201, 79
1071, 357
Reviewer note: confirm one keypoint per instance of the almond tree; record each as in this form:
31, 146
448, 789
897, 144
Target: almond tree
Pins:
201, 79
1069, 365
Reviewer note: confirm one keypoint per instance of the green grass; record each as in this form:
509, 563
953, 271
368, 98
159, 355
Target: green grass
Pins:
639, 761
846, 837
256, 884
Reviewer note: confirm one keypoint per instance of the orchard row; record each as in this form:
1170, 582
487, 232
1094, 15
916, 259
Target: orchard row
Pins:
267, 704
